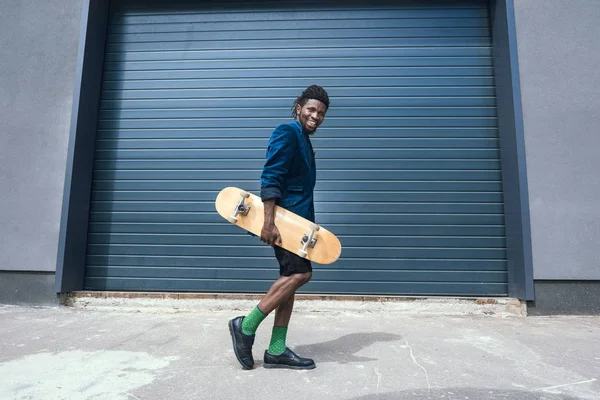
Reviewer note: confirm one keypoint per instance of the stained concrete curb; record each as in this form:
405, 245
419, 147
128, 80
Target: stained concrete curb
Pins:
335, 305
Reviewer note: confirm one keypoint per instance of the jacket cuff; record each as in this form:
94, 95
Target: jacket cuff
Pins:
270, 193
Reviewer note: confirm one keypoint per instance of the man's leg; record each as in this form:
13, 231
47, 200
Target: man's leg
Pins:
284, 312
280, 326
294, 272
243, 329
278, 355
281, 291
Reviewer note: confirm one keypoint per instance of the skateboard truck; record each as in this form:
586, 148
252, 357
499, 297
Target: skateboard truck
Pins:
308, 240
241, 208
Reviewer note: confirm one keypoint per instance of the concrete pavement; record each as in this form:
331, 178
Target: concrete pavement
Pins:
361, 353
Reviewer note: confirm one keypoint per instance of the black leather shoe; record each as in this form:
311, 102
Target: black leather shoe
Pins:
288, 359
242, 344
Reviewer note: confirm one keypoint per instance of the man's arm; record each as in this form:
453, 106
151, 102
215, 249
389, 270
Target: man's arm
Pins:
280, 152
279, 157
270, 233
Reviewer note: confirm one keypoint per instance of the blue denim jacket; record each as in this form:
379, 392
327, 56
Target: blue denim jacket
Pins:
290, 171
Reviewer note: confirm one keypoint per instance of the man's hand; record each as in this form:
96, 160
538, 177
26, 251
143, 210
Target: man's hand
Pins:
270, 233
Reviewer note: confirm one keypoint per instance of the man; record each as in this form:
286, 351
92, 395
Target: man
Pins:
288, 180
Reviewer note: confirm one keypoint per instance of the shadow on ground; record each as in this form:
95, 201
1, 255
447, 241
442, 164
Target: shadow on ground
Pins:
343, 349
466, 393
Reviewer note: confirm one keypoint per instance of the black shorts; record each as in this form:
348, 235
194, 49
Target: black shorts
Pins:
290, 263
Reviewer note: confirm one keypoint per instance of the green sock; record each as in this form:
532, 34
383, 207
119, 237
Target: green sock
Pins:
252, 321
277, 345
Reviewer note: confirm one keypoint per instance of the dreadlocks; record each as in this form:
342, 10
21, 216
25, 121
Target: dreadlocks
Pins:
314, 92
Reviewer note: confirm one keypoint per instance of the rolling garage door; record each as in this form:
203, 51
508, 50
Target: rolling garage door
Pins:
409, 171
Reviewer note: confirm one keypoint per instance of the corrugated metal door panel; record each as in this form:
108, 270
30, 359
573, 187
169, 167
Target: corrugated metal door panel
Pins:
409, 167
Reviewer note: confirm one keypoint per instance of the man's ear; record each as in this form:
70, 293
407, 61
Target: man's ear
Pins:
298, 109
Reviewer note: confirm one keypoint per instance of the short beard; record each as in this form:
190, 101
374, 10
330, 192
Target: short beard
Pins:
307, 132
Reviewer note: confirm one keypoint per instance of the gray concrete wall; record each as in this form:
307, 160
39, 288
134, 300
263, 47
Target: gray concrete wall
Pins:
28, 288
559, 55
38, 48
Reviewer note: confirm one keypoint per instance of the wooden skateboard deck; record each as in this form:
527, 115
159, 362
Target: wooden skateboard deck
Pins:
298, 235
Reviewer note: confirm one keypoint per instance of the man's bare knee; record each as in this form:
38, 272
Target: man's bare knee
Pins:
302, 279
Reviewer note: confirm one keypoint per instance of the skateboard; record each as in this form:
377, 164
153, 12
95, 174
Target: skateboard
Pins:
298, 235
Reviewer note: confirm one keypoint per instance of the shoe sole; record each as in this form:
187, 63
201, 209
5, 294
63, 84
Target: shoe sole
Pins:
288, 366
235, 346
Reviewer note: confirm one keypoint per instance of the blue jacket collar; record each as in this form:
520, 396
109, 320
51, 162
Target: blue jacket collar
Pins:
297, 123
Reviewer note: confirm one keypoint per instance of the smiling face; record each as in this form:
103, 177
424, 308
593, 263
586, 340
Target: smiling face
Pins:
311, 115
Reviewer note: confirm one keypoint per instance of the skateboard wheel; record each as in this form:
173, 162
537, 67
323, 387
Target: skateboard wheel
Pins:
233, 220
302, 253
245, 194
314, 227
